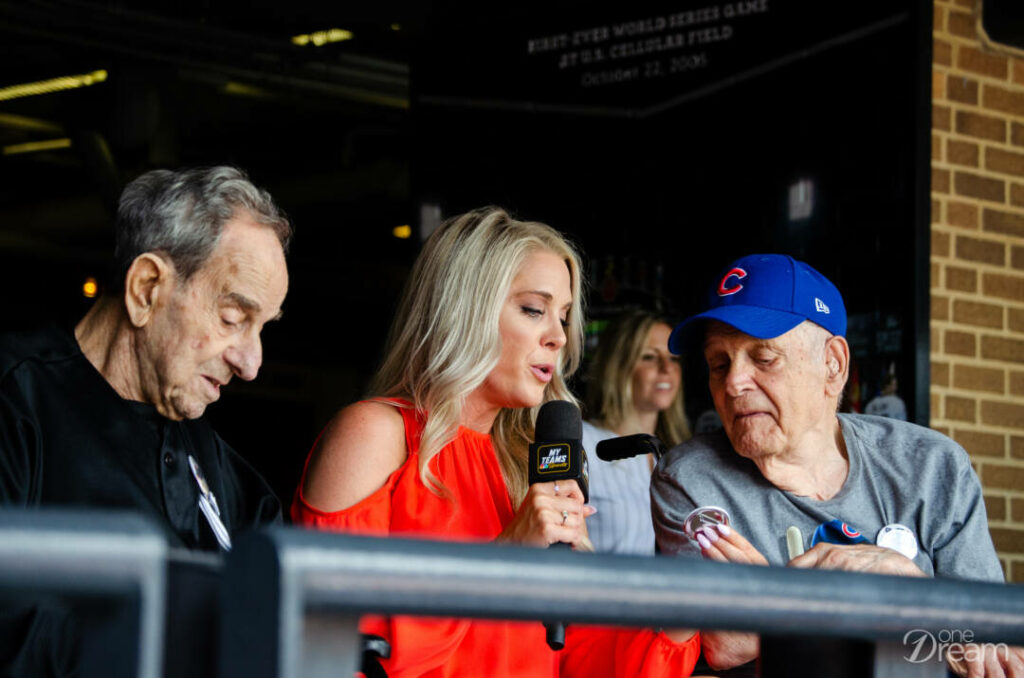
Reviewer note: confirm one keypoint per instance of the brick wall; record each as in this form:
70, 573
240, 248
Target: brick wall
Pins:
977, 262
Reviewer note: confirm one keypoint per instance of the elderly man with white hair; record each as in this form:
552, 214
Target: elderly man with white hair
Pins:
804, 485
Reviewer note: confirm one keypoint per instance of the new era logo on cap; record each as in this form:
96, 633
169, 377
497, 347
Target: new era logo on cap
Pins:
767, 295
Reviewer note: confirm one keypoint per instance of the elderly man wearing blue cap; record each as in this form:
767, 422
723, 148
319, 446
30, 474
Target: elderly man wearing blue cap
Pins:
805, 485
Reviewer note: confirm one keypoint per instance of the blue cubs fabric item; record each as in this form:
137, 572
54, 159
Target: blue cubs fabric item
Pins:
765, 296
837, 532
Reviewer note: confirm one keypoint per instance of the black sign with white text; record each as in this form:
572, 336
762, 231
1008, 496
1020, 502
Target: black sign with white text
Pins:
629, 58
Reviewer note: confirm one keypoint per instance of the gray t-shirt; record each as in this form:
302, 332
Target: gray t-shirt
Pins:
899, 473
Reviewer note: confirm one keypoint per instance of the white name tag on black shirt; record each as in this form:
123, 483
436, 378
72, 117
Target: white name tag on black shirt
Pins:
208, 506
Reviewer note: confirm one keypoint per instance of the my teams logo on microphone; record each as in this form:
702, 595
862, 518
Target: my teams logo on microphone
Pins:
552, 458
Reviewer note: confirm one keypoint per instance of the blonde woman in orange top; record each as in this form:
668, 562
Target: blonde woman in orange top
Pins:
489, 326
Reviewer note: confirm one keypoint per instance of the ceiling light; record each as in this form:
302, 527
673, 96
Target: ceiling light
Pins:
241, 89
29, 124
322, 37
33, 146
53, 85
90, 288
402, 232
801, 199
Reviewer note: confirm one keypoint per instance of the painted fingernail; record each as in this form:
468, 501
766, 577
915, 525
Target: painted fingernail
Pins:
703, 541
709, 534
724, 529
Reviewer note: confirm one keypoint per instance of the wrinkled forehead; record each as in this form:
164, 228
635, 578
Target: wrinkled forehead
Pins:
249, 261
806, 333
716, 329
804, 329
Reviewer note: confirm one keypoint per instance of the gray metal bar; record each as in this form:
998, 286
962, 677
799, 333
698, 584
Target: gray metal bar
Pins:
302, 572
89, 554
267, 626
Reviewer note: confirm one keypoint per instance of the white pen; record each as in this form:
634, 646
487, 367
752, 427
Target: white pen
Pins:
794, 541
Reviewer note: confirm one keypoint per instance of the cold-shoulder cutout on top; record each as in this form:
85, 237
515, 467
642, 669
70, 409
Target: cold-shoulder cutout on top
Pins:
359, 449
474, 507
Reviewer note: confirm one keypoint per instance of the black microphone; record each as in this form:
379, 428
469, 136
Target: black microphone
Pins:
624, 447
557, 451
557, 454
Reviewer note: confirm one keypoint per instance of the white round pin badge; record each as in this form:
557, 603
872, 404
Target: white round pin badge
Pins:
704, 516
898, 538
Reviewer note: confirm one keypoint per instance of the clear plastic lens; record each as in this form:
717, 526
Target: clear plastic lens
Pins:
704, 516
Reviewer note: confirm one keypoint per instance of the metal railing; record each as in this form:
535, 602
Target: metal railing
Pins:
105, 570
290, 599
293, 597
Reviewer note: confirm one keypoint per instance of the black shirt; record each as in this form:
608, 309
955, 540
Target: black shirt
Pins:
68, 439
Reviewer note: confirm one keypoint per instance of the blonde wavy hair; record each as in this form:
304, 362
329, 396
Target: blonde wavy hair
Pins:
610, 378
444, 340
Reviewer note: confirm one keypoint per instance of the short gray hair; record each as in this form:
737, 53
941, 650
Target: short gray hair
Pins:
181, 215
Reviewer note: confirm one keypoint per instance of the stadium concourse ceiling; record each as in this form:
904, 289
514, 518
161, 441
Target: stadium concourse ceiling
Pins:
317, 115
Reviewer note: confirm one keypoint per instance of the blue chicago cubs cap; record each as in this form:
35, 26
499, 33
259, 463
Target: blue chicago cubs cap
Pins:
767, 295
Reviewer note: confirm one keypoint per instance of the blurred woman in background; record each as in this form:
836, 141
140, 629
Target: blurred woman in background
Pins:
634, 386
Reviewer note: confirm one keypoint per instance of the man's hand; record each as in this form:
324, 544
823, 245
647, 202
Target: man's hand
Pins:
986, 661
727, 649
857, 558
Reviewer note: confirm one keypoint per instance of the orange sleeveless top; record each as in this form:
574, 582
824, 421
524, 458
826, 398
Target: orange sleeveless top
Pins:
476, 509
